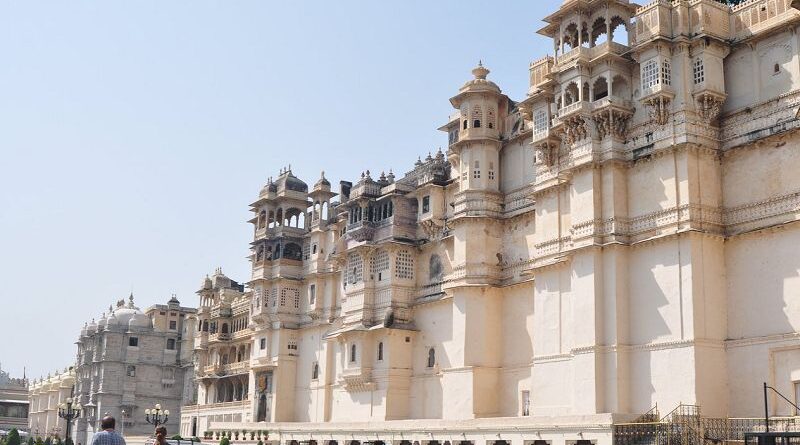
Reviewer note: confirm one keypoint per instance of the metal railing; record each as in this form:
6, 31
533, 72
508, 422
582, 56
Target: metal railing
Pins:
686, 426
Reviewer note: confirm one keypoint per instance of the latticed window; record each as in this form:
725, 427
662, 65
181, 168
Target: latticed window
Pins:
650, 76
274, 297
666, 73
355, 268
477, 116
283, 297
540, 122
476, 172
296, 298
491, 118
699, 71
404, 265
379, 264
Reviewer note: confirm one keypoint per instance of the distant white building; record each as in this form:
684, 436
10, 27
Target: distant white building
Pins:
130, 360
45, 395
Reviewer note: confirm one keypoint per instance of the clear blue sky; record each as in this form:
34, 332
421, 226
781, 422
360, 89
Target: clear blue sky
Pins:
134, 134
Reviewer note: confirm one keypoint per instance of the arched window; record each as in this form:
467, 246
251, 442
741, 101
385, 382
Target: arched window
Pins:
224, 328
353, 353
315, 371
380, 351
431, 358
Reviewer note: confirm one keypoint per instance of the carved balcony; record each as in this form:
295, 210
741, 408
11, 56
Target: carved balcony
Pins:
611, 116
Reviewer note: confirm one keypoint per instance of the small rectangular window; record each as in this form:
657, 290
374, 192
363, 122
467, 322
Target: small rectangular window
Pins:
173, 324
426, 204
796, 397
312, 293
133, 341
171, 344
526, 403
262, 344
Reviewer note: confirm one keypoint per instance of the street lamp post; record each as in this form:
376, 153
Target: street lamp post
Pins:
156, 416
122, 430
69, 412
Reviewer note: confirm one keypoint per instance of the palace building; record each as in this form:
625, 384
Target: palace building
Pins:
622, 241
129, 361
14, 407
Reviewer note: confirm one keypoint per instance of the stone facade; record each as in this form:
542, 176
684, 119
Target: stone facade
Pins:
624, 237
130, 361
14, 405
45, 395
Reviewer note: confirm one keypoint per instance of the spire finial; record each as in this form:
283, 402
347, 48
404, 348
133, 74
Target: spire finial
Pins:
480, 72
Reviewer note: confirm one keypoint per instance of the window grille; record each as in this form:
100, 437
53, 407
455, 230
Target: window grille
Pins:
699, 71
540, 122
274, 297
283, 297
355, 268
404, 265
380, 262
650, 76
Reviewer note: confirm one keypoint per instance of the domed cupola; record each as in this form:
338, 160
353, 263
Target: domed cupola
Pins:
91, 328
288, 181
323, 183
480, 83
101, 323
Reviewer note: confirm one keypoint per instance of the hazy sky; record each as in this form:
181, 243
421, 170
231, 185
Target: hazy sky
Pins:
133, 135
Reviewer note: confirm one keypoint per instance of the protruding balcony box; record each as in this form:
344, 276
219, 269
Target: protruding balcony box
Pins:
281, 267
478, 133
660, 90
612, 103
653, 20
710, 18
753, 17
545, 135
361, 230
575, 108
540, 73
219, 336
357, 378
200, 339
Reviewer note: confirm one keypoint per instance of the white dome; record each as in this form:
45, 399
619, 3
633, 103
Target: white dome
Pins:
101, 324
139, 321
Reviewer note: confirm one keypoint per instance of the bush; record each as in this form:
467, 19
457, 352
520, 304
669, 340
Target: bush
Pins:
30, 440
39, 441
48, 441
13, 437
68, 441
260, 442
225, 441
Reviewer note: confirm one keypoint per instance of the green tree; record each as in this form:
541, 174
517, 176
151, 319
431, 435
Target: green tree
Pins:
13, 437
225, 441
30, 440
39, 441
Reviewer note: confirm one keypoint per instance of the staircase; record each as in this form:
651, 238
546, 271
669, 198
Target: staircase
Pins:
685, 425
